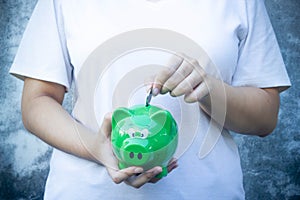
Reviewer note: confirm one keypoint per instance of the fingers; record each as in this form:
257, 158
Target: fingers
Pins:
166, 73
135, 177
143, 178
184, 76
106, 125
148, 83
187, 85
199, 92
171, 166
119, 176
177, 77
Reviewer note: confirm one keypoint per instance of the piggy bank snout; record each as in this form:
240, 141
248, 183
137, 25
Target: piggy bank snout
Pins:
135, 154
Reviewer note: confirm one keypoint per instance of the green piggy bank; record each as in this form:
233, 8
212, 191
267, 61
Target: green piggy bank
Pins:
144, 136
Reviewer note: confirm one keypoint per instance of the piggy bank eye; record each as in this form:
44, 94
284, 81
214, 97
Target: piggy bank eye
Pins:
131, 132
144, 133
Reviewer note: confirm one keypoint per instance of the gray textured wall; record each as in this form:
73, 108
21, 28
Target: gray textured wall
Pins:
271, 165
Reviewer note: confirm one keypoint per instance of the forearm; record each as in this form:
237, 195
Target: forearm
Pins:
44, 116
46, 119
249, 110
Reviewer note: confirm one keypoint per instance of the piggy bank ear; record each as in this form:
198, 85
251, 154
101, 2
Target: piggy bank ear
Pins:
120, 114
162, 119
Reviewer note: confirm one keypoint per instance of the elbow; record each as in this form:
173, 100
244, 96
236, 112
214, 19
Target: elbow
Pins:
28, 113
265, 133
267, 128
26, 124
25, 120
269, 119
261, 127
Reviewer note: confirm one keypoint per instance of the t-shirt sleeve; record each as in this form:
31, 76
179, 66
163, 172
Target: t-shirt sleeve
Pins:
41, 52
260, 63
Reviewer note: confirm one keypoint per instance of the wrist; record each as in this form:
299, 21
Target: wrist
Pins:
88, 143
95, 148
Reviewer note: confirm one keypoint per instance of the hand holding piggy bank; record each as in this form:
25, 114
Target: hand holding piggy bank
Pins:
144, 136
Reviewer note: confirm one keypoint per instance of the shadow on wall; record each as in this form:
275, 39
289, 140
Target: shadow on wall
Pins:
271, 165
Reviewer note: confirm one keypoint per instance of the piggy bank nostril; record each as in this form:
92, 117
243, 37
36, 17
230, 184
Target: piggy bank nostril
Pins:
140, 156
131, 155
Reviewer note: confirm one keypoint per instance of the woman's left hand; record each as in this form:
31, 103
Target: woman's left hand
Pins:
248, 109
183, 76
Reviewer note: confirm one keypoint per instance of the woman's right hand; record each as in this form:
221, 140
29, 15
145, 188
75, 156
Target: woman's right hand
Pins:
133, 176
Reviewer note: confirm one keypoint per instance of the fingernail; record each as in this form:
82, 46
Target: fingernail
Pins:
138, 170
157, 171
155, 91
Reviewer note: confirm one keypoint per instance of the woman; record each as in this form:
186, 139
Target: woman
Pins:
236, 36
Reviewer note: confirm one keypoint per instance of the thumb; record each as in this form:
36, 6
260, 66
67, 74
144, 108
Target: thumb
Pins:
106, 125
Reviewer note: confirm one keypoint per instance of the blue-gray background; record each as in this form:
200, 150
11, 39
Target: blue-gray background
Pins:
271, 165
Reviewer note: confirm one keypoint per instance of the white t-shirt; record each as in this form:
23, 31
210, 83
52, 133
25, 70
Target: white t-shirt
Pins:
236, 35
